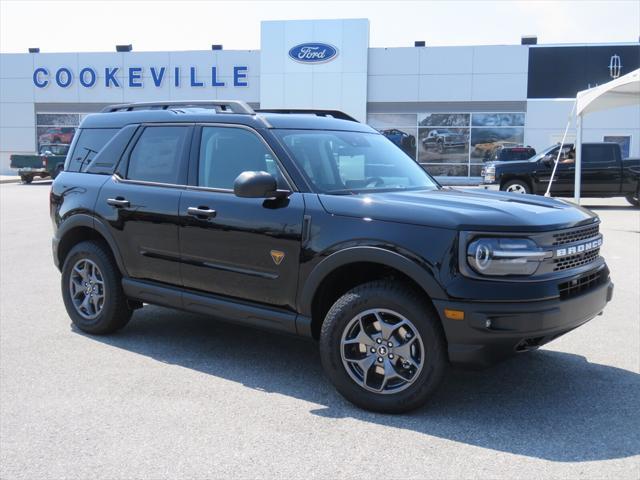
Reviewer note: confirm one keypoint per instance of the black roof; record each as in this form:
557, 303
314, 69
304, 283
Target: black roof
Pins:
304, 121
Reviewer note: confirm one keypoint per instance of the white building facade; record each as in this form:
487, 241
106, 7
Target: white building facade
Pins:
448, 107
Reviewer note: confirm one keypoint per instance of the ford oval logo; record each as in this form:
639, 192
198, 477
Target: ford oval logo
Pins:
313, 52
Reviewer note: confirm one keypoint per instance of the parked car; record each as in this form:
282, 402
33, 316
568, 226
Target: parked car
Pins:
507, 153
319, 227
442, 139
404, 140
49, 162
57, 135
604, 173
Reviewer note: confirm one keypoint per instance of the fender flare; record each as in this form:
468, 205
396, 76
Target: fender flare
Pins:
84, 220
418, 273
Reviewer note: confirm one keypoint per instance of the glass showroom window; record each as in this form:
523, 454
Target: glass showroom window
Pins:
490, 131
443, 143
451, 143
56, 128
400, 128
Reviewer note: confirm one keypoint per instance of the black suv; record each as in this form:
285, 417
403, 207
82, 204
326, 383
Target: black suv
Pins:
316, 225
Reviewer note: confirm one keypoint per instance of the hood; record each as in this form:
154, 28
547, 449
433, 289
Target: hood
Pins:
462, 209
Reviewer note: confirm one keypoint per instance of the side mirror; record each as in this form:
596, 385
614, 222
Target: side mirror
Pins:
257, 185
547, 160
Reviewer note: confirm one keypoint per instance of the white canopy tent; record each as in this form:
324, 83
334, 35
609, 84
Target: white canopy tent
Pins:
622, 91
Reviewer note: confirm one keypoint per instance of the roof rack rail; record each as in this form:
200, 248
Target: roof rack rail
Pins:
220, 106
320, 113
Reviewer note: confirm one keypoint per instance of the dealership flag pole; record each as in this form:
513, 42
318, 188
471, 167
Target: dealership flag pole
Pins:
564, 137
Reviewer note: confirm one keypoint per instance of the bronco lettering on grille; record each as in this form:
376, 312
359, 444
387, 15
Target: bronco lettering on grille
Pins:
583, 247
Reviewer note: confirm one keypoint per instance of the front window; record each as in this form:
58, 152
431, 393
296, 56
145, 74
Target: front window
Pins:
339, 162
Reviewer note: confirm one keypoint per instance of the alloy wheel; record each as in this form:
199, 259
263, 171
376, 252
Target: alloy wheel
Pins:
382, 351
86, 286
516, 188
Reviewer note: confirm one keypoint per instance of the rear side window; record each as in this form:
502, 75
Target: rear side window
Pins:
87, 144
598, 153
157, 156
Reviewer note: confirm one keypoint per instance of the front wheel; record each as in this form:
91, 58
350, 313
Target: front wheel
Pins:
382, 346
516, 186
632, 198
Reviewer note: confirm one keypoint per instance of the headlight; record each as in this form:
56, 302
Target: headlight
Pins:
489, 173
505, 256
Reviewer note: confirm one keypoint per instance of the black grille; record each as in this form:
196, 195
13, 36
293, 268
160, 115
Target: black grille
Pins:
580, 285
574, 261
575, 235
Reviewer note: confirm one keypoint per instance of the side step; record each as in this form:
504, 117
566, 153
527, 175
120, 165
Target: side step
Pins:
245, 313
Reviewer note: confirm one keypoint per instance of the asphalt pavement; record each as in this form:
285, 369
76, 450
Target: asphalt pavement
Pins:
176, 395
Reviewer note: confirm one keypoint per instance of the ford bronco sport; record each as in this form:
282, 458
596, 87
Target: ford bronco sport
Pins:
314, 224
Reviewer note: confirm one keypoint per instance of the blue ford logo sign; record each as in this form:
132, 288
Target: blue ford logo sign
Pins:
313, 52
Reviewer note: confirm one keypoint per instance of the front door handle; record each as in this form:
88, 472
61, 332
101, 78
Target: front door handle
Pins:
203, 212
118, 202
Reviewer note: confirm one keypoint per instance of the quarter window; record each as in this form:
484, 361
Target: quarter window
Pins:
157, 155
226, 152
89, 142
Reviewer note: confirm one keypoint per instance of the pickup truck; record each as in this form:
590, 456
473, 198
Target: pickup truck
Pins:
604, 173
48, 162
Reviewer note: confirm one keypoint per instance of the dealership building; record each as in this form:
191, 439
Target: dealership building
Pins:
448, 107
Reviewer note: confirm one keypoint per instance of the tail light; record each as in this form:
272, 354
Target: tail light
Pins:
44, 162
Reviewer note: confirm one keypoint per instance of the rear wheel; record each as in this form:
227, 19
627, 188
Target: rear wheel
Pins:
92, 291
26, 179
383, 347
516, 186
632, 198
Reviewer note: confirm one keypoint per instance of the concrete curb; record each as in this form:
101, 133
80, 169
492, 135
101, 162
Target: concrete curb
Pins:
10, 180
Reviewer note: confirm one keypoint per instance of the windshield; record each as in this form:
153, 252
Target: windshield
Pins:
339, 162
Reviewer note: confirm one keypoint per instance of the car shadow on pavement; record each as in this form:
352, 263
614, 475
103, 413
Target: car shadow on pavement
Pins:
549, 405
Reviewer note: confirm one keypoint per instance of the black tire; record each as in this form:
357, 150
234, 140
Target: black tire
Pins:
396, 296
520, 185
26, 179
115, 312
59, 169
440, 146
632, 198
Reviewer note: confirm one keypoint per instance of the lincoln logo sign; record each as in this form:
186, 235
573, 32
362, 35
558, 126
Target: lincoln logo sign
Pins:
615, 66
313, 53
138, 77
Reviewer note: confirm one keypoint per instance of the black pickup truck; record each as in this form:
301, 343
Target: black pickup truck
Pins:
604, 173
315, 225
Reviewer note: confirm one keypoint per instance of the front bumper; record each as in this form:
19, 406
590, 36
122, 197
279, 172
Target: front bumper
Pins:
492, 331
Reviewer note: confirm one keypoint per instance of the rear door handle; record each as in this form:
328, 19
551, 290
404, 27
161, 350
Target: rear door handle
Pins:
118, 202
205, 212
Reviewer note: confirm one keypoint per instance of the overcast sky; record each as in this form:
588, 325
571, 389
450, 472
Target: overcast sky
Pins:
83, 25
